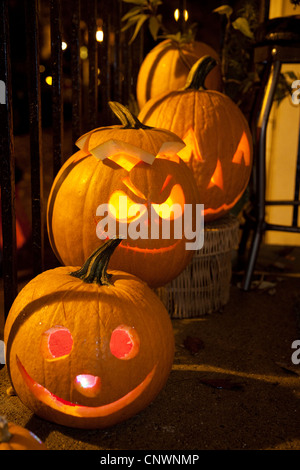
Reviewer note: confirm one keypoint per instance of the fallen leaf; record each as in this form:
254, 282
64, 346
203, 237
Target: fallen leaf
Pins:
266, 285
193, 344
289, 368
225, 384
279, 265
10, 391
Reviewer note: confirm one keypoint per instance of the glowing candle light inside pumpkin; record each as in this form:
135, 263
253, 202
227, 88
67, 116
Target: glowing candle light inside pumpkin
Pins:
87, 384
124, 342
56, 342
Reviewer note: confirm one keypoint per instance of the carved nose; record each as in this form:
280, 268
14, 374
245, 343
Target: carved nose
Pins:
87, 384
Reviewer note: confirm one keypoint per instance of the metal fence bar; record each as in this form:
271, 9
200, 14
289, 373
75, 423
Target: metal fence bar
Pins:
75, 71
103, 61
118, 68
117, 79
57, 100
297, 188
35, 132
9, 251
93, 65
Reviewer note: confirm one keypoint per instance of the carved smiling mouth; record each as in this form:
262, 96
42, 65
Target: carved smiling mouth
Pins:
126, 246
73, 409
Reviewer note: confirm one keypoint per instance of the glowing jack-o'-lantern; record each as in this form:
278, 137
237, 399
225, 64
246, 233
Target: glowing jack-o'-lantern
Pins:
217, 136
135, 171
166, 67
88, 347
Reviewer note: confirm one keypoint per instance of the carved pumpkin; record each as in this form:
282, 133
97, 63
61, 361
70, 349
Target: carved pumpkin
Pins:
14, 437
88, 348
217, 137
166, 67
139, 164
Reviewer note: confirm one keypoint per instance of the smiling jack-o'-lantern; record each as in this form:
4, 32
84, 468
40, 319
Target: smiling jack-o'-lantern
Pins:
88, 348
217, 137
129, 174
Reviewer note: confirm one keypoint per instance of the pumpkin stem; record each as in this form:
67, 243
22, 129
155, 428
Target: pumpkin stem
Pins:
129, 120
5, 435
198, 73
95, 267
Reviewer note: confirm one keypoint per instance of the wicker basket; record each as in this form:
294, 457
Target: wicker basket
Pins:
204, 286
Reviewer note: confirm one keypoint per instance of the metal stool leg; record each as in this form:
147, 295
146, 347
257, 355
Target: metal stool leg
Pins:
261, 171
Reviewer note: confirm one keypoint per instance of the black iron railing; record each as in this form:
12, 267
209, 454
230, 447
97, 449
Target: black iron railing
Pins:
96, 71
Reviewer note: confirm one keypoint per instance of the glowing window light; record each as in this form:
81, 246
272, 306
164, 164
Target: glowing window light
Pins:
83, 52
177, 14
64, 45
99, 35
48, 80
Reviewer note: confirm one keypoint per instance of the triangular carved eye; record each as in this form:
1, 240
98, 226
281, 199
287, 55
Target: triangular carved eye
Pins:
242, 152
191, 148
217, 177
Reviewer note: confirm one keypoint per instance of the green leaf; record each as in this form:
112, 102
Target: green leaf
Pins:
224, 10
139, 24
131, 22
242, 25
134, 11
136, 2
153, 27
290, 74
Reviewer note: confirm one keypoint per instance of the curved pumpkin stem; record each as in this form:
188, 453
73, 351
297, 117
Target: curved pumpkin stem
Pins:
5, 435
129, 120
198, 73
95, 267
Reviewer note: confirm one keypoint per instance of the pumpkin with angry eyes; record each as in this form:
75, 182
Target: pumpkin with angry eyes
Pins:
217, 137
129, 176
88, 347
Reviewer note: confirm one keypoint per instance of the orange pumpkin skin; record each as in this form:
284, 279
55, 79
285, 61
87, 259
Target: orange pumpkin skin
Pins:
218, 142
166, 67
14, 437
84, 183
49, 377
